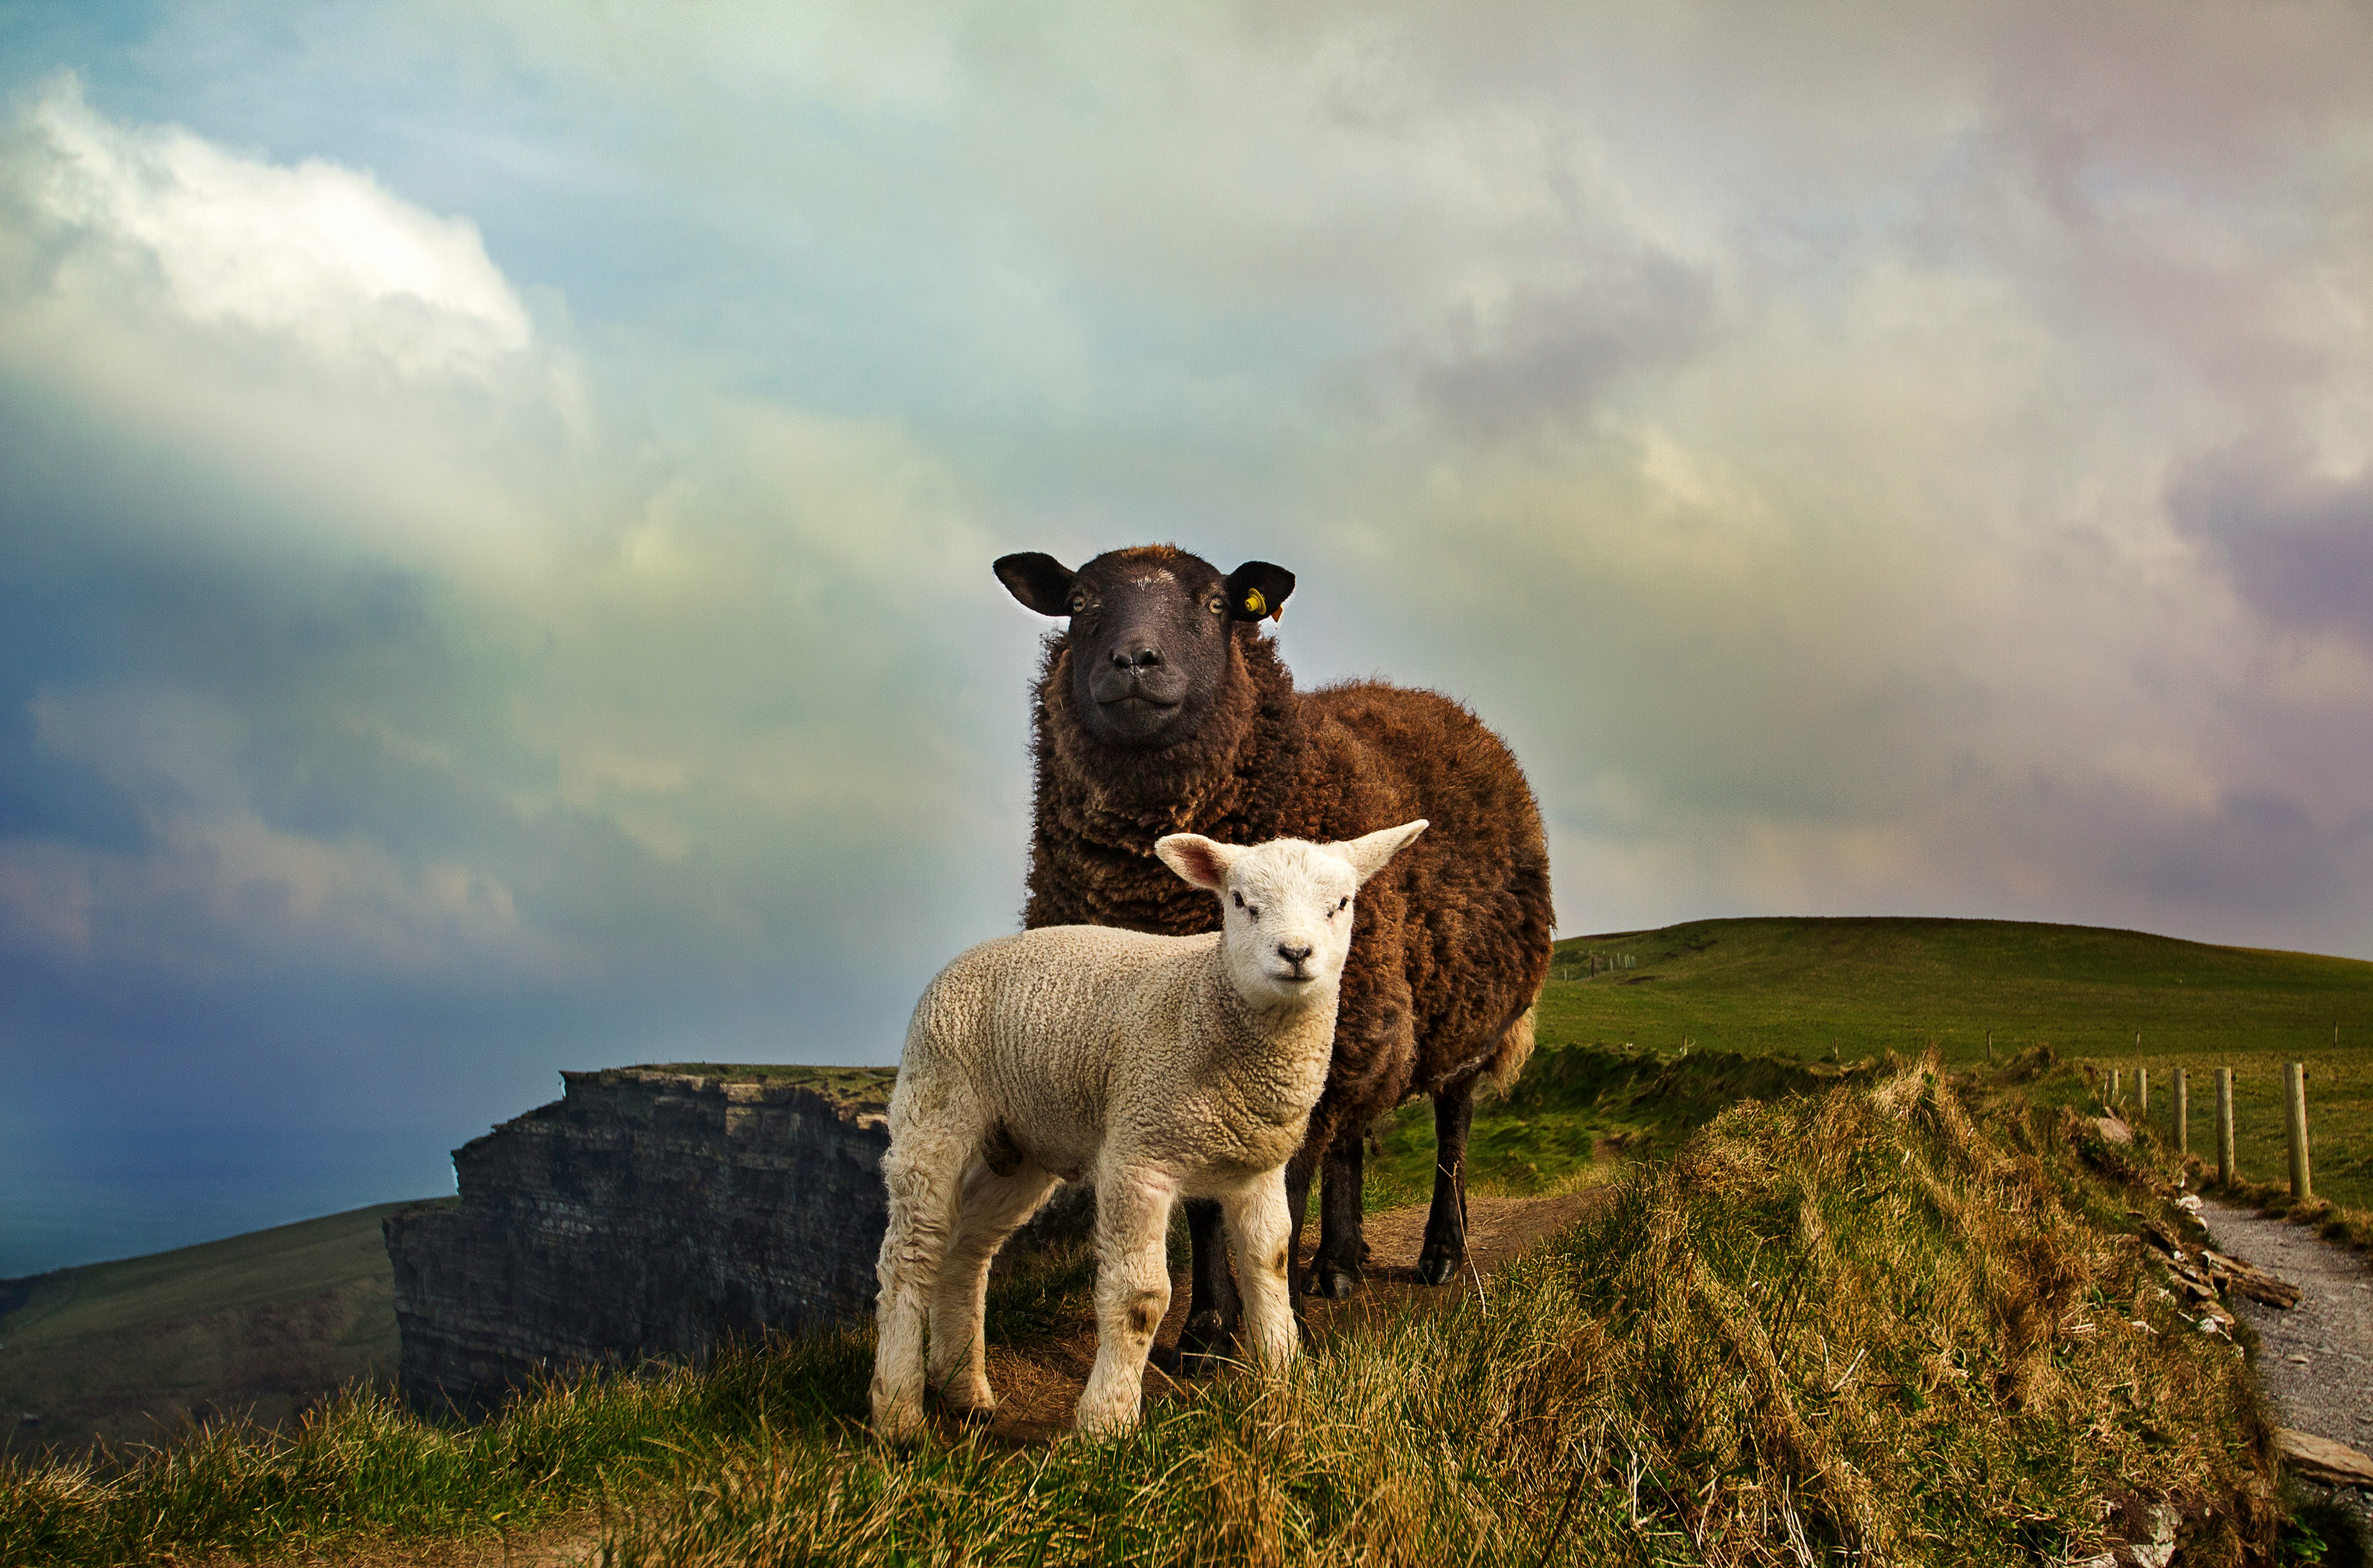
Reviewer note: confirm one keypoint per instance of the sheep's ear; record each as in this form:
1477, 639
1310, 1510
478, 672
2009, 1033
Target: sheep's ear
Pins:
1369, 851
1199, 860
1039, 581
1258, 589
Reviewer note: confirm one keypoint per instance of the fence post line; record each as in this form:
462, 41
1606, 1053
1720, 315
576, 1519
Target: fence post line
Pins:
2182, 1112
2225, 1172
2295, 1123
2141, 1090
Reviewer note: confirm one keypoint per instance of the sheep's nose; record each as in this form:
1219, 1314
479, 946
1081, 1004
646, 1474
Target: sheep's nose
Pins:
1297, 957
1138, 656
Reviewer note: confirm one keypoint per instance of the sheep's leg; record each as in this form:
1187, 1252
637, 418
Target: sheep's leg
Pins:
1262, 1239
1339, 1266
994, 1207
1445, 1225
921, 1173
1298, 1170
1132, 1293
1213, 1309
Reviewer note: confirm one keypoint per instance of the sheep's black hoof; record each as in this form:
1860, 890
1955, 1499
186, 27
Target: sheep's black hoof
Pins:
1439, 1265
1205, 1345
1334, 1284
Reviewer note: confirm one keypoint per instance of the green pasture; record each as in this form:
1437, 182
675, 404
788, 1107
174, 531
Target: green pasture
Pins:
1805, 992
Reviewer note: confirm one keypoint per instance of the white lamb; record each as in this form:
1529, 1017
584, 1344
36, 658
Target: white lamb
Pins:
1161, 1066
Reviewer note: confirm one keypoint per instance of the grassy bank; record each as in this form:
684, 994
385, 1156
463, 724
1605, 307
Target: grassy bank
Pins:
1894, 1317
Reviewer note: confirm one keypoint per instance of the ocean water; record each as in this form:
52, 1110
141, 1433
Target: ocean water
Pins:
84, 1195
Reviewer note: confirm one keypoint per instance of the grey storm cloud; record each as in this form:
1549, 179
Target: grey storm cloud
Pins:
2298, 542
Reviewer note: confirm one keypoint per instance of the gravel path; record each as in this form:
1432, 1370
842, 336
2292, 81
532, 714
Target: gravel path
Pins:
2315, 1360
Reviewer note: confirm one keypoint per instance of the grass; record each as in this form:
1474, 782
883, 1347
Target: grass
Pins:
845, 1085
264, 1322
1868, 1309
1804, 991
1577, 1115
1894, 1317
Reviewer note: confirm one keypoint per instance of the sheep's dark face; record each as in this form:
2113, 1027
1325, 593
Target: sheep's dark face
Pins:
1150, 634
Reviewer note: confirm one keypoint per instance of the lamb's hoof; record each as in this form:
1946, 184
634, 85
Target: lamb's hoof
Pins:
1334, 1284
1439, 1266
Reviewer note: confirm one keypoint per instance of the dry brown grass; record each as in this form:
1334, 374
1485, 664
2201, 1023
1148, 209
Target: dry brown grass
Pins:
1874, 1323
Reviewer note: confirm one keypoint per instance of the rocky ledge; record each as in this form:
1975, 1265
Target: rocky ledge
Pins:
651, 1212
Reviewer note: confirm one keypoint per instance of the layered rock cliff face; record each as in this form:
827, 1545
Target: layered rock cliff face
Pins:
650, 1212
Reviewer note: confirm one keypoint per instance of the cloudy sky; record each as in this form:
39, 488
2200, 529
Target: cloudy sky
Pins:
498, 503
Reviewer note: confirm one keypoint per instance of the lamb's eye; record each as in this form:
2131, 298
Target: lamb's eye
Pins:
1344, 905
1239, 898
1078, 603
1218, 605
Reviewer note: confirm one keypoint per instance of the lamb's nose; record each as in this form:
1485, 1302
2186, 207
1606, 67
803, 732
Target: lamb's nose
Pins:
1136, 657
1297, 957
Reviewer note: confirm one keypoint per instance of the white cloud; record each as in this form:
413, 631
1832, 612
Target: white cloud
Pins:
316, 252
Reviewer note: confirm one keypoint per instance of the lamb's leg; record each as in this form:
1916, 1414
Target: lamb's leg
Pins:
1339, 1266
921, 1173
1208, 1337
994, 1207
1445, 1225
1132, 1293
1262, 1240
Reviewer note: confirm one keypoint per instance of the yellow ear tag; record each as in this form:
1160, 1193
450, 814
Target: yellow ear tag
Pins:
1255, 604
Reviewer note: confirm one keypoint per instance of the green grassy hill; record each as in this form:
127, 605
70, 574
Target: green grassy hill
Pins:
263, 1324
1807, 989
1795, 987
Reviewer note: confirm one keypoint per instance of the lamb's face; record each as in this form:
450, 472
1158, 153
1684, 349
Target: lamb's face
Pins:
1285, 916
1285, 921
1150, 633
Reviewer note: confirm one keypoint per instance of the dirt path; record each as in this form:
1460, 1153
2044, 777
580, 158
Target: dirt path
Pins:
2315, 1360
1037, 1388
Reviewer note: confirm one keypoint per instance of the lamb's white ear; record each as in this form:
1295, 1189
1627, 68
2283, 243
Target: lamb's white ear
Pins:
1369, 851
1201, 861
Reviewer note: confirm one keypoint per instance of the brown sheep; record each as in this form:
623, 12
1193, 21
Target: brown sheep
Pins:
1161, 708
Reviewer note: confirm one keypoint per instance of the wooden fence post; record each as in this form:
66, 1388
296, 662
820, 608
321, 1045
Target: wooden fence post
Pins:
2225, 1162
2141, 1090
2294, 1121
2182, 1112
2117, 1085
1990, 1044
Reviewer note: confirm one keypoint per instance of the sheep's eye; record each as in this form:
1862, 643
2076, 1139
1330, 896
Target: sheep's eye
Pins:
1344, 905
1078, 603
1239, 898
1218, 605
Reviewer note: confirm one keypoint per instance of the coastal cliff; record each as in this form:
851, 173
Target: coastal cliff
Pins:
650, 1212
